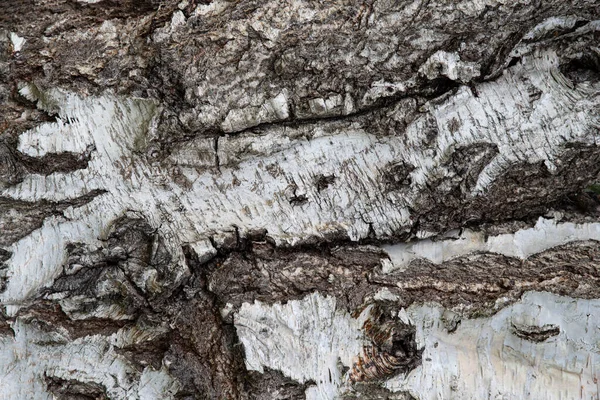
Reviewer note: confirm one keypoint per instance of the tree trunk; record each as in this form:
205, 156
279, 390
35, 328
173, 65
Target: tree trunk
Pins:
386, 199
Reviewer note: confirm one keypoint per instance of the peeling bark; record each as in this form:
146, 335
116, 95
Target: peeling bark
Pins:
299, 199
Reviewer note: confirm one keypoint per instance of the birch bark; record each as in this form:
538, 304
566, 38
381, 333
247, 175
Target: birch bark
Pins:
299, 199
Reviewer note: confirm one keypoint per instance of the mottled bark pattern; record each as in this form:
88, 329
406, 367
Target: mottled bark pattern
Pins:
299, 199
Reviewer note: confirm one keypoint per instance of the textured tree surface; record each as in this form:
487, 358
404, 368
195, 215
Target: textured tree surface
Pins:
299, 199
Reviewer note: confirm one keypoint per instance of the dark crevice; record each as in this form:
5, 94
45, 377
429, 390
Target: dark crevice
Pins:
583, 69
535, 334
216, 147
513, 61
47, 315
298, 199
273, 385
392, 349
14, 164
494, 67
71, 389
19, 218
323, 181
428, 89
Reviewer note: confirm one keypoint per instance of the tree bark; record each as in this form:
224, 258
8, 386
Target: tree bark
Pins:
299, 199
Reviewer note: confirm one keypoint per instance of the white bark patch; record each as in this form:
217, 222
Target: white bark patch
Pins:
442, 63
37, 259
490, 358
305, 339
211, 9
549, 25
33, 354
547, 233
117, 129
189, 204
16, 41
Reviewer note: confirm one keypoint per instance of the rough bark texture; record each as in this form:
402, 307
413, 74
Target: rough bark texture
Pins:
382, 199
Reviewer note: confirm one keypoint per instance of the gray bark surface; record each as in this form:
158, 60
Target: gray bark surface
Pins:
379, 199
